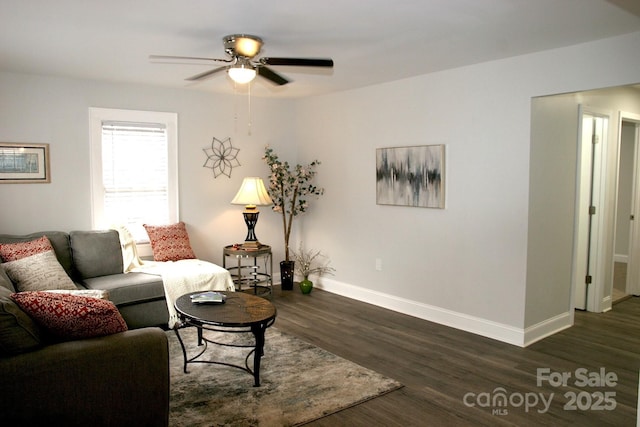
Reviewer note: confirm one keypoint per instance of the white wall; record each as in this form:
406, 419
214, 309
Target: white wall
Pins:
467, 265
552, 197
55, 111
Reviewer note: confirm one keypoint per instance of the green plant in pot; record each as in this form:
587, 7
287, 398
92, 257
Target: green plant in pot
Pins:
289, 189
308, 262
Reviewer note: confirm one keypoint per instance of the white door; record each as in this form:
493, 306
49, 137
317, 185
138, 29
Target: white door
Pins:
589, 259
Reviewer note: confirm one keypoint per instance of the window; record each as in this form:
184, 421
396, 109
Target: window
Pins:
133, 169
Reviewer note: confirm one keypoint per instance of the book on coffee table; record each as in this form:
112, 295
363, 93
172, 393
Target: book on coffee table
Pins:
209, 297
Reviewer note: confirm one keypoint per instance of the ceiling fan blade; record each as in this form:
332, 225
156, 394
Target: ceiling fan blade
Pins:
300, 62
269, 74
173, 59
207, 73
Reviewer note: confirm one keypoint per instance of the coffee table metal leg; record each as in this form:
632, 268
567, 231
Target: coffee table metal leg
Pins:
199, 336
258, 332
184, 350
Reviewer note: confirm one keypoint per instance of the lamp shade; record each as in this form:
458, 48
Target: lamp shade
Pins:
252, 193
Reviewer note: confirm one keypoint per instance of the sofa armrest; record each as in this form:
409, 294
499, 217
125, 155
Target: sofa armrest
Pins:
116, 380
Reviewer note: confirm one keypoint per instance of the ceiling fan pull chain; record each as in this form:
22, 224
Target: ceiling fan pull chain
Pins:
235, 107
249, 100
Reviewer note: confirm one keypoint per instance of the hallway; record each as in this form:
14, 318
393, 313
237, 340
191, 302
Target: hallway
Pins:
619, 282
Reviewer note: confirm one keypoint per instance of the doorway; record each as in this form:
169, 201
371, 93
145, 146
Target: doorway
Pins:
627, 238
556, 265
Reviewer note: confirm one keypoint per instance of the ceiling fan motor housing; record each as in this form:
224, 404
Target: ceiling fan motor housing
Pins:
244, 45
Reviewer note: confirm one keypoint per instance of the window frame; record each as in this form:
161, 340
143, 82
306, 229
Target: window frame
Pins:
96, 118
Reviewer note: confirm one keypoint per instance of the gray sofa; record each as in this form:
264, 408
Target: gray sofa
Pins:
93, 259
115, 380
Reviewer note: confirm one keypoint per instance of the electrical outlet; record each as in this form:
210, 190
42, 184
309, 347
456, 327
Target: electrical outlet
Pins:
378, 264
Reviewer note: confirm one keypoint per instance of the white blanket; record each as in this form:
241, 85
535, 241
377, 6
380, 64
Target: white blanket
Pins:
187, 275
178, 277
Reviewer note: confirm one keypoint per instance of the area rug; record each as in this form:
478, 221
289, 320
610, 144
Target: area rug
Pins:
299, 383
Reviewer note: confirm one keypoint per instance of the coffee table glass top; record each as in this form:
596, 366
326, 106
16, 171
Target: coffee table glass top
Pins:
240, 309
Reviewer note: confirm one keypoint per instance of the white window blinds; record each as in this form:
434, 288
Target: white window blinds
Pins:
134, 169
135, 175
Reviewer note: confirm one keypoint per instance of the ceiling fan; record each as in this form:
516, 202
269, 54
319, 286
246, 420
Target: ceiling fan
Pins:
243, 65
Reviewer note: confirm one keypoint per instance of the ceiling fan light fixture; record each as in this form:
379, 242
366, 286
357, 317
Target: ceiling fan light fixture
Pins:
242, 74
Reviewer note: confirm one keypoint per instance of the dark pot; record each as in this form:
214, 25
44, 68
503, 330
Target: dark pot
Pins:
286, 275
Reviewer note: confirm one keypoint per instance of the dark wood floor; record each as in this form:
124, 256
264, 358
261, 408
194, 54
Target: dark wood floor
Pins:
439, 365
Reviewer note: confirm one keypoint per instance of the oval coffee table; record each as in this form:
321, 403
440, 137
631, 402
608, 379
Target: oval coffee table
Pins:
241, 313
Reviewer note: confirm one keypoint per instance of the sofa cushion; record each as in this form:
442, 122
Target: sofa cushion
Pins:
96, 253
16, 251
18, 332
70, 317
170, 242
129, 288
5, 281
38, 272
58, 239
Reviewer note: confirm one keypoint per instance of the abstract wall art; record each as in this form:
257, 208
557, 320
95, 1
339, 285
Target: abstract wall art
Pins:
411, 176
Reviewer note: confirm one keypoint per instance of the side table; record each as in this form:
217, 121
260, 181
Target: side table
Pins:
247, 270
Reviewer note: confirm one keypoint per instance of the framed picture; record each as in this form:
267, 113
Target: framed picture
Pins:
411, 176
24, 163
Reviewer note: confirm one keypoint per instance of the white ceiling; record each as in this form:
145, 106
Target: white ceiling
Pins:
371, 41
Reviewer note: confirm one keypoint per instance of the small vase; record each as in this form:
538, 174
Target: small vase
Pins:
286, 275
306, 286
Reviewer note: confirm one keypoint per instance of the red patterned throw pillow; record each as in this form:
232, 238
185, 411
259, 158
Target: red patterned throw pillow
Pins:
70, 317
16, 251
169, 242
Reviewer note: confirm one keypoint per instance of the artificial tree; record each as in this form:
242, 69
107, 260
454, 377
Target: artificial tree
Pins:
289, 189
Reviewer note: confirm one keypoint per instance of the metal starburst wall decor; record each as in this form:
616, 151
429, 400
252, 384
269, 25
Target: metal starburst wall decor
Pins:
221, 157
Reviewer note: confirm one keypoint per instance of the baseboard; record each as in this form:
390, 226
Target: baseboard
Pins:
621, 258
475, 325
547, 327
465, 322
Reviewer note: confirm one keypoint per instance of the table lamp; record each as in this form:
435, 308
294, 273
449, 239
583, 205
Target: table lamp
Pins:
252, 193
